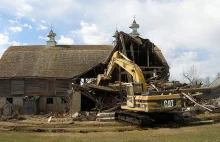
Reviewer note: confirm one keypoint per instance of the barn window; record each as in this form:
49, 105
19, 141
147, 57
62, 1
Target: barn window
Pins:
49, 100
9, 100
64, 100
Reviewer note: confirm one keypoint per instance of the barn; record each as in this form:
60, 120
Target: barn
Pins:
37, 77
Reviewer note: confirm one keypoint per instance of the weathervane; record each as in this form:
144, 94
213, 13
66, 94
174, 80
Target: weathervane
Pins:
51, 27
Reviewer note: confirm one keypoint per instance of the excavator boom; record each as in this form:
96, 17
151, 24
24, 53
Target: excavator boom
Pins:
130, 67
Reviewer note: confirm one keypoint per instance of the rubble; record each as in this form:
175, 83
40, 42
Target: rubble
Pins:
105, 117
84, 116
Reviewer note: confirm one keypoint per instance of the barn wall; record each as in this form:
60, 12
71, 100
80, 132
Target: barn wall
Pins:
57, 105
16, 101
45, 88
5, 87
2, 101
36, 87
17, 87
76, 102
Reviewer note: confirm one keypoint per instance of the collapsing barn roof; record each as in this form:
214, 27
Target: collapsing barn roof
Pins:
60, 61
69, 61
142, 52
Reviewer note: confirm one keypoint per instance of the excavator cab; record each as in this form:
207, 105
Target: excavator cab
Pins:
132, 90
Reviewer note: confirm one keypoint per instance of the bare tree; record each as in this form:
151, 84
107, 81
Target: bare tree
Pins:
218, 75
192, 76
171, 79
206, 81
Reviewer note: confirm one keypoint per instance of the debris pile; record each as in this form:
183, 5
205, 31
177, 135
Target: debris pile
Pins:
104, 117
84, 116
92, 116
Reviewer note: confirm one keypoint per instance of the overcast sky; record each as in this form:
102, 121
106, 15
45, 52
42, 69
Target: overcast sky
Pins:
187, 31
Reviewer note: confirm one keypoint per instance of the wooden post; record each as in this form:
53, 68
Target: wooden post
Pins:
76, 102
132, 51
125, 53
123, 44
148, 58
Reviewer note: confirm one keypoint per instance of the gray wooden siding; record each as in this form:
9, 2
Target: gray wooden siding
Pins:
36, 87
17, 87
5, 88
48, 87
62, 87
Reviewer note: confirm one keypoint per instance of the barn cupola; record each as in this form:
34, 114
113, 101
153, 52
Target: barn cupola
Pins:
134, 26
51, 41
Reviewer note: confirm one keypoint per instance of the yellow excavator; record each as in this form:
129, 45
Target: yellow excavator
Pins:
142, 106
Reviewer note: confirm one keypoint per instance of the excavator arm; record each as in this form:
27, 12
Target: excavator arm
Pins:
132, 68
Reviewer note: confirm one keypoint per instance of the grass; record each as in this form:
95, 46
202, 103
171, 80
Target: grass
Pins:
207, 133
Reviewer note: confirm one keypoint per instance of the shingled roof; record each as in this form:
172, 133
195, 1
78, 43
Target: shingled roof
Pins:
62, 61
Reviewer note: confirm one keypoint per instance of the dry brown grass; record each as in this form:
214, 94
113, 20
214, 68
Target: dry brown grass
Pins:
37, 129
209, 133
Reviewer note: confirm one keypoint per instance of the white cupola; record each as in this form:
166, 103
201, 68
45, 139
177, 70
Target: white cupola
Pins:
51, 41
134, 26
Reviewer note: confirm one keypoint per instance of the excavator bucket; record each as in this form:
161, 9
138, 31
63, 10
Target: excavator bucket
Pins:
103, 80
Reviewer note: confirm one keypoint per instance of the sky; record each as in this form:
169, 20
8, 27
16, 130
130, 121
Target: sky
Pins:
187, 31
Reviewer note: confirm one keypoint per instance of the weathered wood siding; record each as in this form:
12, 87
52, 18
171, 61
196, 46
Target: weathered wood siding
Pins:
5, 87
47, 87
17, 87
36, 87
57, 105
62, 87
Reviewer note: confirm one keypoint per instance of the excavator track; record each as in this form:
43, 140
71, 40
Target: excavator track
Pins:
150, 119
134, 118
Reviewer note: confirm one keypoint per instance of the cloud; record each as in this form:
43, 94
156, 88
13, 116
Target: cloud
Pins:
33, 20
65, 40
23, 9
51, 10
15, 29
91, 34
4, 39
27, 26
2, 50
41, 27
12, 21
42, 37
42, 21
15, 43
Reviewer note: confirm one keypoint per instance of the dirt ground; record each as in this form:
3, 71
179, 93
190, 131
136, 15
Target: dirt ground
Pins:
64, 129
40, 124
